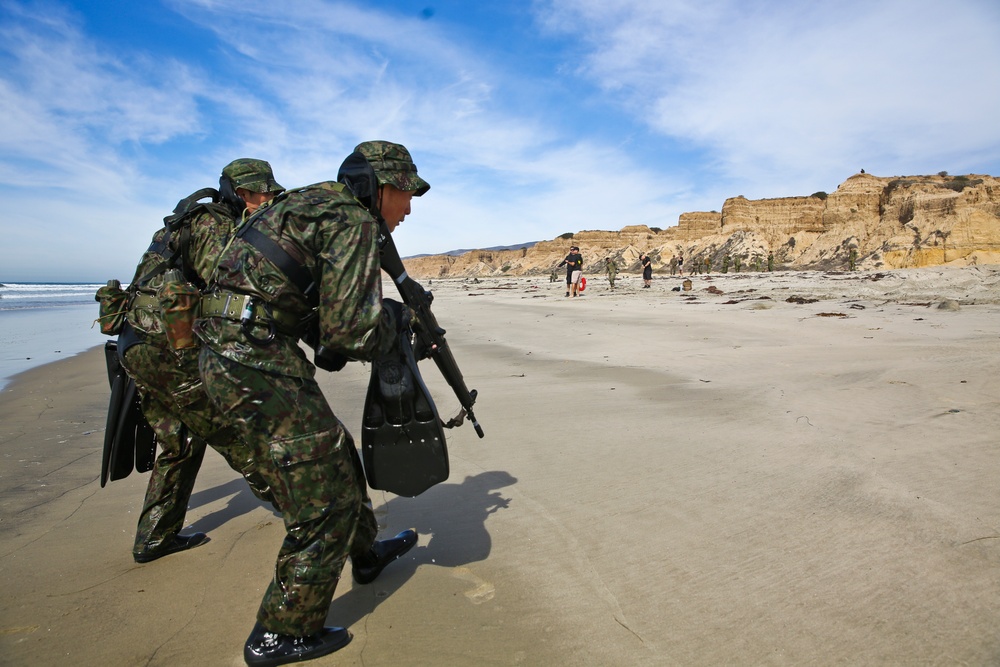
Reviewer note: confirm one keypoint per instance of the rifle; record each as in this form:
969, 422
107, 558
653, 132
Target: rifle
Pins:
429, 334
359, 176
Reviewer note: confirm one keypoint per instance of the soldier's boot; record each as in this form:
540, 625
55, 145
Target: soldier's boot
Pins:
171, 546
366, 569
266, 649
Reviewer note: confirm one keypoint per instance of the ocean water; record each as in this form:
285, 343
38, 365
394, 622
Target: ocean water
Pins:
45, 322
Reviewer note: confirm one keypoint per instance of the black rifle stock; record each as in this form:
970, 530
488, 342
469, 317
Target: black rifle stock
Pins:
429, 333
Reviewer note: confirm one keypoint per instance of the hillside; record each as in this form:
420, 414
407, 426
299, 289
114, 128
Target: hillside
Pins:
889, 222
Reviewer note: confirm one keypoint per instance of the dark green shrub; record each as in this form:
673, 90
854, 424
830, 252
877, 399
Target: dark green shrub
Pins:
959, 183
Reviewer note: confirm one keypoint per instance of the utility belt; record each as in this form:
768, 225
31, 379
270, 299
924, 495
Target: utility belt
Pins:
143, 301
249, 310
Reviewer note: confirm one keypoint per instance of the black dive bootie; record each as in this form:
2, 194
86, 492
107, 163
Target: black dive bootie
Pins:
366, 568
178, 543
267, 649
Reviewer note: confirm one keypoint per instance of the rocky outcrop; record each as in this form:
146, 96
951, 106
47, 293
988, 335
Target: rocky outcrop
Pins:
874, 222
691, 226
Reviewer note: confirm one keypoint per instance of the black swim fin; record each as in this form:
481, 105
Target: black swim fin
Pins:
402, 438
117, 380
129, 440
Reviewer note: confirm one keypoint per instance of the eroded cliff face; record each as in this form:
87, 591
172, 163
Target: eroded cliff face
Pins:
898, 222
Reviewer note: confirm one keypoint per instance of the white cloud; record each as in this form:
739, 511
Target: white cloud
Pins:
633, 112
780, 88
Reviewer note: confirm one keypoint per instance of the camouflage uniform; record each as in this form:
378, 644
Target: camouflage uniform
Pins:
612, 270
173, 398
269, 388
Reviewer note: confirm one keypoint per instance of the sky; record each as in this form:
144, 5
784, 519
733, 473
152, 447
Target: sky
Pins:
529, 118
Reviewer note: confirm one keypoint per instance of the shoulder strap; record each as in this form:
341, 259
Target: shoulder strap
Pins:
300, 276
175, 222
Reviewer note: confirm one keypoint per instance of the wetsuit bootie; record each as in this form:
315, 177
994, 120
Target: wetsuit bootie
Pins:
267, 649
178, 543
366, 569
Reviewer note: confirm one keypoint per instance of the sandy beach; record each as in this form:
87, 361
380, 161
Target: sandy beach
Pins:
784, 469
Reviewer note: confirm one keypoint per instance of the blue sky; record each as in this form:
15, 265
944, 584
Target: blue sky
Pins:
529, 118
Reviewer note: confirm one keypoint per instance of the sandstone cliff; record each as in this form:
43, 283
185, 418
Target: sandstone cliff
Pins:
898, 222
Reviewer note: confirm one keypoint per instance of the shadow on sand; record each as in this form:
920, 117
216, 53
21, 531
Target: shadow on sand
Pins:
241, 501
454, 515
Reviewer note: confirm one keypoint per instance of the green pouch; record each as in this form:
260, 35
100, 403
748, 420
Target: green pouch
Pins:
113, 301
179, 305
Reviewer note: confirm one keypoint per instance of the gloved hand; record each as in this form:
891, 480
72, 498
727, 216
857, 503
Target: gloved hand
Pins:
328, 360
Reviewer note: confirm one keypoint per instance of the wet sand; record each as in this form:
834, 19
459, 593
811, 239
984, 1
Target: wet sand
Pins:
704, 477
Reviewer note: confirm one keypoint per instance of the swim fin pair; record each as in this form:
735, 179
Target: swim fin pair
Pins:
402, 438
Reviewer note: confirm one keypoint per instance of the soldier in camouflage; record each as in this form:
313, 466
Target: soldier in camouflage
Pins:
173, 398
252, 366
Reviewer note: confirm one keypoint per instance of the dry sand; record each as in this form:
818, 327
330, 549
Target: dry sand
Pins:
729, 479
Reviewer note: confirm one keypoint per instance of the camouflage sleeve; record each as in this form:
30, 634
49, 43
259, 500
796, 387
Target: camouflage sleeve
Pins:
352, 319
209, 234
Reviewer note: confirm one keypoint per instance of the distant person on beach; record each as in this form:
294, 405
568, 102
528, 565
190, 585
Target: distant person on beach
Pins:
680, 264
574, 270
673, 266
173, 398
254, 368
647, 270
611, 269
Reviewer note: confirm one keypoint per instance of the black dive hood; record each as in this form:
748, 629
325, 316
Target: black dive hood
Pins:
358, 175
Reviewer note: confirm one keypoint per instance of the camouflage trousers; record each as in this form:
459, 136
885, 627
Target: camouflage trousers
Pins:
183, 418
315, 473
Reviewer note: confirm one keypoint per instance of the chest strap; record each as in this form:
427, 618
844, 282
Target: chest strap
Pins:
300, 276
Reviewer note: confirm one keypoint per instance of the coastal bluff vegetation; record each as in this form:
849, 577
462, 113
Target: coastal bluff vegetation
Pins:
885, 222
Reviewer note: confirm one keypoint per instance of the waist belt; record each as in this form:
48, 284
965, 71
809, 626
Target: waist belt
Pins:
225, 304
231, 306
145, 302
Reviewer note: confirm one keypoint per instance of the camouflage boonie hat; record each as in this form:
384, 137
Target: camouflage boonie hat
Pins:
252, 175
393, 165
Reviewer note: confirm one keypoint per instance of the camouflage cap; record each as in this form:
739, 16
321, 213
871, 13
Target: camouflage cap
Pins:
253, 175
393, 165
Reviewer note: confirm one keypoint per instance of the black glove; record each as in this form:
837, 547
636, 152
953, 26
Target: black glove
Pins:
329, 360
